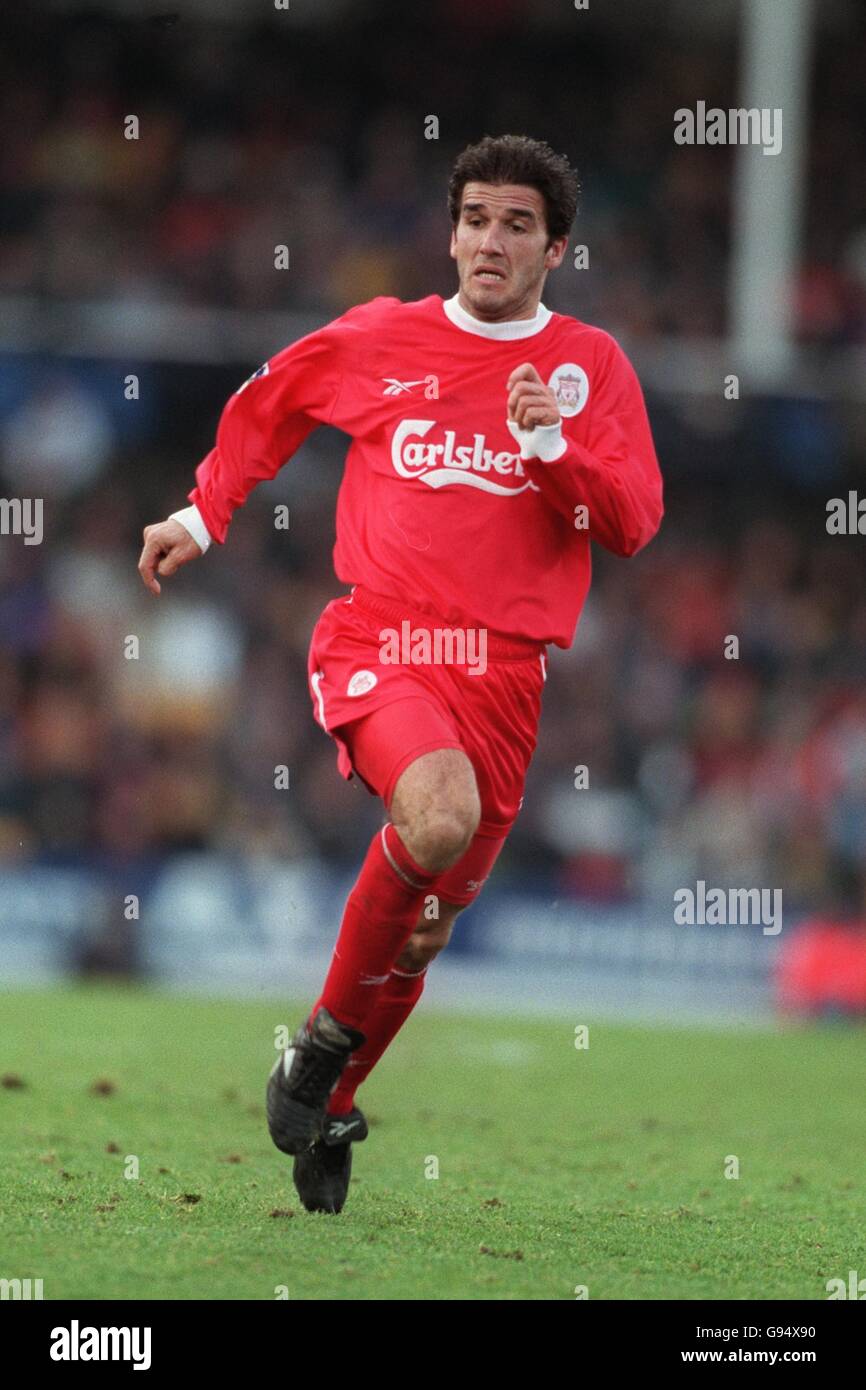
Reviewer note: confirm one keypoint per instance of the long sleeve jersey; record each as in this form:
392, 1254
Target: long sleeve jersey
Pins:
437, 507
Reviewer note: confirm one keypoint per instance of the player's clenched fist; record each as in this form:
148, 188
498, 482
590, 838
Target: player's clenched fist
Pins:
530, 402
167, 546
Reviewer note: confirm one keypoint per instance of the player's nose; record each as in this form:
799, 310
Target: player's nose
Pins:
491, 242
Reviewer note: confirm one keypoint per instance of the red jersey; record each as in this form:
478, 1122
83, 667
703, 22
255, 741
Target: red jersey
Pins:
436, 507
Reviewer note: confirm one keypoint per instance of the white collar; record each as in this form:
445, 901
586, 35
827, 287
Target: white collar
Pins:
515, 328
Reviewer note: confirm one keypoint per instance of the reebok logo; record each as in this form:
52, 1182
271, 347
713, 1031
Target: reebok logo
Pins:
339, 1127
399, 388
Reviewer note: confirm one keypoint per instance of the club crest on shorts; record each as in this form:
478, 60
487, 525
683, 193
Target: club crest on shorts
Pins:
570, 385
361, 682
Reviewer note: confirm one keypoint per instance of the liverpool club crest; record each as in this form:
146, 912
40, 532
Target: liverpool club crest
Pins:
570, 384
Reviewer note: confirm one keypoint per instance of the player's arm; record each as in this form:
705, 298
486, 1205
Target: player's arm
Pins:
615, 475
261, 426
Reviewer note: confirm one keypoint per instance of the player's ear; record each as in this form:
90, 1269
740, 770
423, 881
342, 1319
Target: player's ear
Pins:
555, 252
453, 247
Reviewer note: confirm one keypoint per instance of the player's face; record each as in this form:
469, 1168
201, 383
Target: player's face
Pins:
500, 246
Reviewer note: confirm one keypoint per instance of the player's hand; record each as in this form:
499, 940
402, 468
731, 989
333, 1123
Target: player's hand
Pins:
530, 402
167, 546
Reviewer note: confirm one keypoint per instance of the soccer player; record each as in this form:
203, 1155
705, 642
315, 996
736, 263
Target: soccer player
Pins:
492, 440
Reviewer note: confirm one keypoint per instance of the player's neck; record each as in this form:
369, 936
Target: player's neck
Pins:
531, 310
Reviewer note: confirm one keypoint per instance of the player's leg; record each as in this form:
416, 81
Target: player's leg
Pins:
397, 998
438, 809
322, 1172
434, 815
453, 890
496, 730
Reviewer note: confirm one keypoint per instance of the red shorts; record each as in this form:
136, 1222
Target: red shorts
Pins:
382, 715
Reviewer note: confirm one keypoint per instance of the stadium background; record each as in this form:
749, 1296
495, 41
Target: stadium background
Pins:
155, 258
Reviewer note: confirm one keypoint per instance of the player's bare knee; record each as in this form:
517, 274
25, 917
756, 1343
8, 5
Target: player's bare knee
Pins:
436, 808
449, 831
440, 835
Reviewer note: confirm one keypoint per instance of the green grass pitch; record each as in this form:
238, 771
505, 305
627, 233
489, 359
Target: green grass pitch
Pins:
602, 1167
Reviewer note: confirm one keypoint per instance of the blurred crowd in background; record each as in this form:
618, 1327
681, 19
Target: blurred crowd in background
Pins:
258, 137
738, 771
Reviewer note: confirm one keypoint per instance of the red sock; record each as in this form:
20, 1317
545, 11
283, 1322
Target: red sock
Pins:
395, 1003
380, 915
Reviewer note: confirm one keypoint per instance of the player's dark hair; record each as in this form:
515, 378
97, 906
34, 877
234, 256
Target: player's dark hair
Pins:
518, 159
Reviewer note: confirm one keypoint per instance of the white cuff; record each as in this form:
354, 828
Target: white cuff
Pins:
545, 442
190, 518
